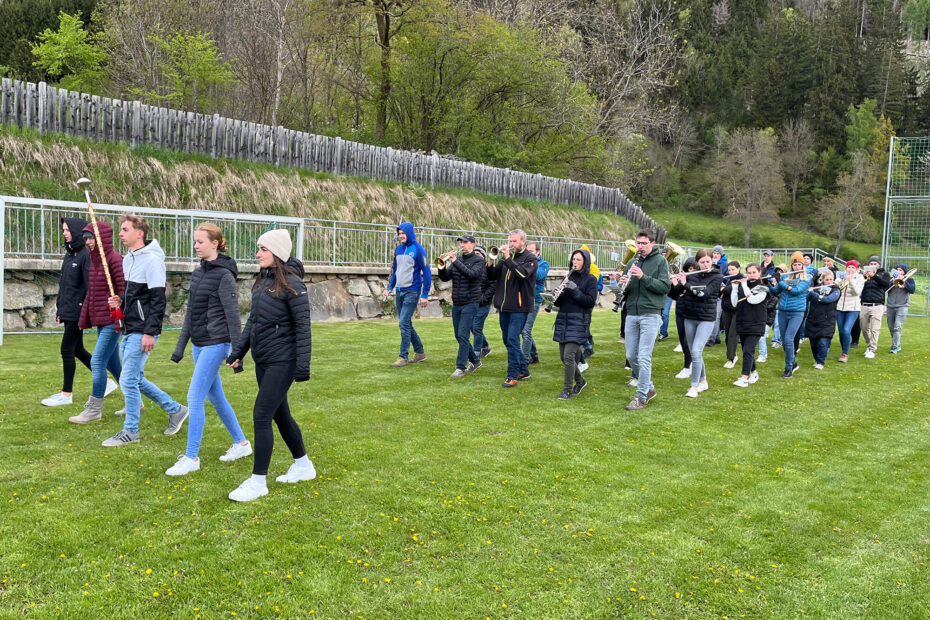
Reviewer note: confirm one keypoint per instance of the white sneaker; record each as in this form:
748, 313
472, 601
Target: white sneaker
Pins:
249, 490
702, 386
762, 359
632, 383
677, 348
56, 400
237, 451
298, 473
753, 377
583, 366
692, 392
184, 466
869, 353
818, 366
684, 373
112, 386
730, 363
741, 382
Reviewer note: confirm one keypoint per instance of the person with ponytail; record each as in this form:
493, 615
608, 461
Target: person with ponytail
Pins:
211, 324
278, 334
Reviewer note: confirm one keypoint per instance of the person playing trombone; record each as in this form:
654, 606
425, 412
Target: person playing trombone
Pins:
468, 275
899, 297
792, 287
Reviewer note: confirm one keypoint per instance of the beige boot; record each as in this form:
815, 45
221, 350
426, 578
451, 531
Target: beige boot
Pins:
92, 412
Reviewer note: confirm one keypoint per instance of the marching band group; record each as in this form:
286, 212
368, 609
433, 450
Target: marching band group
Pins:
125, 295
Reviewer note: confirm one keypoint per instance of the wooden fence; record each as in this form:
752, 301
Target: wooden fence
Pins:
50, 109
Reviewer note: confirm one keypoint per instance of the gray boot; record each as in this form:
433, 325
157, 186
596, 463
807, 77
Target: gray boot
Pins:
92, 411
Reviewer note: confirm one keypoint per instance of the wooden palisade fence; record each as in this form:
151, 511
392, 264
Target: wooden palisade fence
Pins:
50, 109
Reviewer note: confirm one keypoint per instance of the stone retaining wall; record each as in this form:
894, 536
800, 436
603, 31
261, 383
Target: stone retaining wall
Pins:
335, 293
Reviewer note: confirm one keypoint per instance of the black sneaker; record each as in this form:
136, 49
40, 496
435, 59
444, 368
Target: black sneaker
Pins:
523, 375
486, 352
579, 386
587, 353
534, 360
787, 374
565, 395
661, 337
626, 365
794, 370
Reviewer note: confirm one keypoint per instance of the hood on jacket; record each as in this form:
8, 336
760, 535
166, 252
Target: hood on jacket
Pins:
152, 248
76, 227
592, 268
689, 262
586, 269
295, 265
106, 236
221, 262
407, 228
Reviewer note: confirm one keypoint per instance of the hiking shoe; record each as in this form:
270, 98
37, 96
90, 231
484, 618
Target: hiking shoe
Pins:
176, 419
486, 352
818, 366
298, 473
523, 375
677, 348
418, 357
869, 353
776, 344
741, 382
121, 439
458, 374
93, 411
684, 373
56, 400
473, 366
237, 451
400, 361
184, 466
112, 386
762, 359
692, 392
565, 395
843, 358
509, 383
753, 376
249, 490
583, 366
636, 404
650, 395
632, 383
579, 386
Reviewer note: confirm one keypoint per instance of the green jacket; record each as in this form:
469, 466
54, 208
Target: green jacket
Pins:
647, 295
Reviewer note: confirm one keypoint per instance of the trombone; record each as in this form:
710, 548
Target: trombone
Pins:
902, 281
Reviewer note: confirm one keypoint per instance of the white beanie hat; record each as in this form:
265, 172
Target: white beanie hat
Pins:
278, 242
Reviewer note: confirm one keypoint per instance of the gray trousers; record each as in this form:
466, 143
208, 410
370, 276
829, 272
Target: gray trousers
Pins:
896, 318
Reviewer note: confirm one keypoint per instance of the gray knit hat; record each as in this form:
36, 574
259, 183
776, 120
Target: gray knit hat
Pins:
278, 242
718, 248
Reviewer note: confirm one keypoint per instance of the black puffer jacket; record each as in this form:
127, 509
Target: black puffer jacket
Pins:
696, 303
751, 318
75, 273
212, 306
278, 329
873, 291
468, 275
575, 305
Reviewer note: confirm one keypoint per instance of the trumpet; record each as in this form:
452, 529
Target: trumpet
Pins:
495, 250
442, 261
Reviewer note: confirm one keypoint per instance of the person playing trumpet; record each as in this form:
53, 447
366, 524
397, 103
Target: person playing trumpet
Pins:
848, 306
876, 284
899, 296
792, 287
514, 297
575, 303
468, 275
821, 317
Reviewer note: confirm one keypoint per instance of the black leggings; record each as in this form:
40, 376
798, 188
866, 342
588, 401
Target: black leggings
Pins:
72, 346
274, 380
683, 339
728, 324
568, 351
749, 352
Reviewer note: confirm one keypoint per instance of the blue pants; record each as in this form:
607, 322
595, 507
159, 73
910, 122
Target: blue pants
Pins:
666, 312
463, 319
133, 382
820, 347
511, 326
105, 357
776, 328
790, 324
477, 328
206, 383
763, 348
641, 333
845, 319
529, 345
406, 305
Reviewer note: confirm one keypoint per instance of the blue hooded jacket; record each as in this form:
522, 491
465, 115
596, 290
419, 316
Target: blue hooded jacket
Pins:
410, 271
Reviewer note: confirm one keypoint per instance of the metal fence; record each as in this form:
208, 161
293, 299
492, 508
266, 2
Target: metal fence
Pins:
906, 231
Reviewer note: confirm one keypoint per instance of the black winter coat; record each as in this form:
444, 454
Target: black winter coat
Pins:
692, 303
278, 328
75, 273
821, 317
751, 319
771, 307
212, 306
873, 291
516, 282
575, 305
468, 275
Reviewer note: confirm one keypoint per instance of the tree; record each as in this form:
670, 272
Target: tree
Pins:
70, 54
860, 132
849, 209
797, 155
193, 68
750, 176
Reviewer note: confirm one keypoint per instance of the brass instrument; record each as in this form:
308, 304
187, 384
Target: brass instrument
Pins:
630, 251
442, 261
902, 281
675, 251
495, 250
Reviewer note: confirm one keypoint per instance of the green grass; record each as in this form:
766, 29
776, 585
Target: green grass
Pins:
444, 498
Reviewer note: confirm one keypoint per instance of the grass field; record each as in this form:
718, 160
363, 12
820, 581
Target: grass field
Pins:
445, 498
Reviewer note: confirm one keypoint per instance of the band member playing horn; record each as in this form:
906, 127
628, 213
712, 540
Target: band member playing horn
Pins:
848, 306
468, 275
748, 297
575, 302
675, 293
697, 294
876, 285
514, 297
792, 287
821, 317
647, 284
899, 297
411, 276
529, 345
481, 344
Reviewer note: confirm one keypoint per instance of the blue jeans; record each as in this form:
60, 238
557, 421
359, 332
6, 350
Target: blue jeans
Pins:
820, 347
477, 328
763, 347
133, 382
697, 333
463, 318
206, 383
776, 328
511, 325
641, 333
104, 358
790, 324
666, 312
845, 319
406, 305
529, 345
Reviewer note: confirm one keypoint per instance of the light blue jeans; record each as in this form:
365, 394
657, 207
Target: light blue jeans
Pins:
206, 384
133, 382
641, 333
697, 333
105, 357
763, 347
406, 305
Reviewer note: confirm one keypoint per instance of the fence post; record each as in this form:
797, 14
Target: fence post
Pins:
300, 240
2, 244
334, 243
